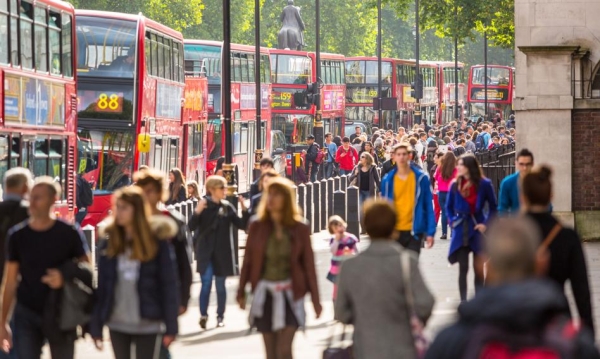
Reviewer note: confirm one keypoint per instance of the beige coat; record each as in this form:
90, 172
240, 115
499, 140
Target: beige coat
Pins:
371, 296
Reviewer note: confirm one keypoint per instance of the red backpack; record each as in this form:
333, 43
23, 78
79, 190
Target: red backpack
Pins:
556, 341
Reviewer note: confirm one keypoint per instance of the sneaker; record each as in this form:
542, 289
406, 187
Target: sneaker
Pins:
203, 321
444, 236
220, 323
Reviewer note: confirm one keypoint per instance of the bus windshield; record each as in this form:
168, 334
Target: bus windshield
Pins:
203, 60
366, 72
105, 47
290, 69
106, 158
497, 76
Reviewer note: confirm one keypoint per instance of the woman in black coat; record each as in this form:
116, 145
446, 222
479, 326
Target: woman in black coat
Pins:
567, 261
177, 188
214, 223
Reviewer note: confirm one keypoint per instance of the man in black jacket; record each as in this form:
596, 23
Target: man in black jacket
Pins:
266, 164
311, 155
13, 208
518, 310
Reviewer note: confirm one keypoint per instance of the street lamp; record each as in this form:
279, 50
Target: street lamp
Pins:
418, 81
485, 71
258, 153
379, 107
228, 166
318, 125
456, 114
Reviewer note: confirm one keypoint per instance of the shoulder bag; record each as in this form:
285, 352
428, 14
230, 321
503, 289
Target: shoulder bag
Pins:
341, 351
416, 324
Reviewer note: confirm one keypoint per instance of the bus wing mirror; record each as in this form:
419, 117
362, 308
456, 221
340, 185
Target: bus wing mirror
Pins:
143, 143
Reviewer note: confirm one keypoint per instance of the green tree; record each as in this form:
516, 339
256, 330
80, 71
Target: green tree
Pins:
177, 14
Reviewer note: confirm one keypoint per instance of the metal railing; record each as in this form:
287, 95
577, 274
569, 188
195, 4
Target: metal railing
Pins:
497, 164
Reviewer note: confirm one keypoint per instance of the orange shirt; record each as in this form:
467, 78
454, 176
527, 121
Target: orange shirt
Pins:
404, 201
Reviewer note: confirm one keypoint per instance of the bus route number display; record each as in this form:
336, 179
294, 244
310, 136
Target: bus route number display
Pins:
283, 100
109, 102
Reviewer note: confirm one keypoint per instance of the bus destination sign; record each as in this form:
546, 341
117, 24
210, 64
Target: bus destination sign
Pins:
283, 99
493, 94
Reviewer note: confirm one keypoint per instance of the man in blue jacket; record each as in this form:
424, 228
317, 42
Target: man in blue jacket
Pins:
508, 201
408, 187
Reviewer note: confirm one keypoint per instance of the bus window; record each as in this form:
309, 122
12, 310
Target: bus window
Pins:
214, 139
26, 13
106, 47
110, 158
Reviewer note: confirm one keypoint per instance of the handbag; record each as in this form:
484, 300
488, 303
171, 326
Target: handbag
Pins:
339, 352
76, 305
416, 324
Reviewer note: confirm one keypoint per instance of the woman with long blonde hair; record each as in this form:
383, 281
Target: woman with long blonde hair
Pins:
137, 296
279, 265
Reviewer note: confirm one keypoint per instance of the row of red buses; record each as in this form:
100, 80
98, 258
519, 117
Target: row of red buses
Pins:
500, 90
204, 58
397, 77
38, 104
130, 87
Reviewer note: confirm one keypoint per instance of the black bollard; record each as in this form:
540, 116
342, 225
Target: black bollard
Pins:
302, 198
89, 232
317, 208
343, 183
323, 204
339, 204
184, 210
330, 190
353, 216
309, 203
336, 183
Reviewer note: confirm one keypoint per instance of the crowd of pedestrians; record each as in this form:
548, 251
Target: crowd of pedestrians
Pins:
409, 183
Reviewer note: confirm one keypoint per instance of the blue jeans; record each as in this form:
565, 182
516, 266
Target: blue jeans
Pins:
207, 279
363, 196
314, 170
328, 170
345, 172
29, 338
442, 198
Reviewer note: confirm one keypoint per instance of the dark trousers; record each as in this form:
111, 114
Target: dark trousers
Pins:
147, 346
410, 242
29, 338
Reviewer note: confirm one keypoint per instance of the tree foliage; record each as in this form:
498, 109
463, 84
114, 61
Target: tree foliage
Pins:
177, 14
348, 27
466, 18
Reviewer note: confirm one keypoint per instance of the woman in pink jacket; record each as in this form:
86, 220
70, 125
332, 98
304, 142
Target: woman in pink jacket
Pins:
444, 175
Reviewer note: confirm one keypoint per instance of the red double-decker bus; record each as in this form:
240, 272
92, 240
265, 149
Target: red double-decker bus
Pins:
205, 58
291, 71
130, 90
38, 97
500, 89
194, 120
361, 87
446, 85
405, 71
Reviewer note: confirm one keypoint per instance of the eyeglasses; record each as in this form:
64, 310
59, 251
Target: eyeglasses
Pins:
363, 156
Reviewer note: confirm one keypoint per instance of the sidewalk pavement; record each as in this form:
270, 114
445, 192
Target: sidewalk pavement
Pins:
234, 341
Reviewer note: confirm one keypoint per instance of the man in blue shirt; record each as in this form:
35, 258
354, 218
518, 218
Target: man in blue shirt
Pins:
331, 149
486, 135
508, 201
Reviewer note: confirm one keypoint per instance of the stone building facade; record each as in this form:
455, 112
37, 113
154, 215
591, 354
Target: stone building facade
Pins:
557, 101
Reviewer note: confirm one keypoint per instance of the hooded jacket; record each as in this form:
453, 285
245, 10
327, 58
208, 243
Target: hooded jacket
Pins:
158, 284
423, 216
517, 307
215, 240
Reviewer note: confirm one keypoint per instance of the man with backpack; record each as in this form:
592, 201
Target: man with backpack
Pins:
84, 198
314, 157
331, 148
519, 315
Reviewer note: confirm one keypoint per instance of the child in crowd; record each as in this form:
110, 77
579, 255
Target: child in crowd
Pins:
343, 246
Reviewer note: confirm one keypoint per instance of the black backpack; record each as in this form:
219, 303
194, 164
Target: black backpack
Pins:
85, 196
